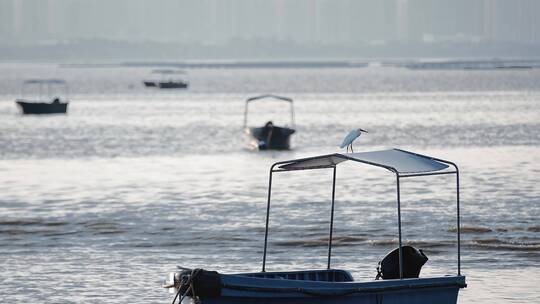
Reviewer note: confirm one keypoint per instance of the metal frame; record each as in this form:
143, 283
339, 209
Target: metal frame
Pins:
49, 83
398, 199
277, 98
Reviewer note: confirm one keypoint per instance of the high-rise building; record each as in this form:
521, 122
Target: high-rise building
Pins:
488, 20
18, 18
402, 19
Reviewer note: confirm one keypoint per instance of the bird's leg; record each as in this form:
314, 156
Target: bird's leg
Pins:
352, 151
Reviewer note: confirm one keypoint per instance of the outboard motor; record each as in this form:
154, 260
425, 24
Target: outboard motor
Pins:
195, 283
413, 260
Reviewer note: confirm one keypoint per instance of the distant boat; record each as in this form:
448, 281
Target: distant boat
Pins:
41, 105
167, 84
180, 84
516, 67
469, 65
270, 136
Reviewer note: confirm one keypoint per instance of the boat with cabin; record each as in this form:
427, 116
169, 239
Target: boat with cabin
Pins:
169, 83
270, 136
398, 279
51, 104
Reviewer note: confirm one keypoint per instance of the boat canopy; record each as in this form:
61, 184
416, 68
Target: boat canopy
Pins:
44, 83
272, 96
269, 96
399, 161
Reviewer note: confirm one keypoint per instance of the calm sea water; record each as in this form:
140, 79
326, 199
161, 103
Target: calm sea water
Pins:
98, 205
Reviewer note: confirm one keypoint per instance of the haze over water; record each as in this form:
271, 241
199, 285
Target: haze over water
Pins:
98, 205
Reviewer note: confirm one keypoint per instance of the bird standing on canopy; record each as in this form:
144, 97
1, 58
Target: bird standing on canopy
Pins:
348, 141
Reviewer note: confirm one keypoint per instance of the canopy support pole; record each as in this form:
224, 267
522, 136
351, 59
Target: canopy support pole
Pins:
331, 217
245, 114
293, 122
399, 228
458, 224
267, 218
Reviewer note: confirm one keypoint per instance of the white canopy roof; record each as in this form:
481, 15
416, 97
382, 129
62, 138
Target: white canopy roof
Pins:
399, 161
272, 96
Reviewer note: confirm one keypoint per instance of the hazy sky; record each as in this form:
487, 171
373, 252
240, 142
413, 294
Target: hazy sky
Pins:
303, 21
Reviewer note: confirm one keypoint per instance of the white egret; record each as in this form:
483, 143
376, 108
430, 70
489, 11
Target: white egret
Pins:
348, 141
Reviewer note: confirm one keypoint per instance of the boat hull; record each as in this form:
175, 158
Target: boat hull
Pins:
241, 288
270, 138
42, 107
173, 85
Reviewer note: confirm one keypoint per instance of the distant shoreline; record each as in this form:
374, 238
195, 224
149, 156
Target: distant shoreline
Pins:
421, 64
472, 64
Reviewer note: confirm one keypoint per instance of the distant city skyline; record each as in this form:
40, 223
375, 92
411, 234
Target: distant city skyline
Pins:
265, 29
301, 21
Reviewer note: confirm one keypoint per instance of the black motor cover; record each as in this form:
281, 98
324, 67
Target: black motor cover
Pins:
207, 284
413, 260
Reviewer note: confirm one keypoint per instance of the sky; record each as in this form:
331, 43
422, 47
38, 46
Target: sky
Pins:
346, 23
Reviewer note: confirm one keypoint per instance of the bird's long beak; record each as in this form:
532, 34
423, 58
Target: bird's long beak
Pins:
362, 130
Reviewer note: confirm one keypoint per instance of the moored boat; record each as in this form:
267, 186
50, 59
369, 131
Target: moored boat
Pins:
179, 84
149, 83
270, 136
164, 83
41, 105
399, 270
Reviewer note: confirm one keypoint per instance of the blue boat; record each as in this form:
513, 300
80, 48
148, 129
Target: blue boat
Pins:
399, 270
270, 136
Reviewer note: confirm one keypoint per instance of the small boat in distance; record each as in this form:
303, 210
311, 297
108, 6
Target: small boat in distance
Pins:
399, 270
51, 105
179, 84
270, 136
169, 83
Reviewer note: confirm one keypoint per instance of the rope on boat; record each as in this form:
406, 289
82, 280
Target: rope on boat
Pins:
185, 281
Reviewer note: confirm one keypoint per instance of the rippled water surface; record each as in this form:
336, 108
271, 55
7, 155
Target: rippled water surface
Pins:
98, 205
